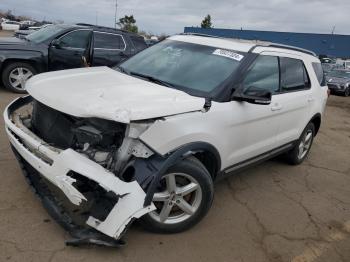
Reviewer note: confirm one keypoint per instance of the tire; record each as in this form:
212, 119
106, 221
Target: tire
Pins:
347, 92
23, 71
190, 171
295, 156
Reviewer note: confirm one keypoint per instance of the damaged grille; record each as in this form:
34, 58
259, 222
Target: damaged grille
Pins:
65, 131
98, 139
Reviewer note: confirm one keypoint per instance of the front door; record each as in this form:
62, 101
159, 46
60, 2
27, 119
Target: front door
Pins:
70, 50
253, 127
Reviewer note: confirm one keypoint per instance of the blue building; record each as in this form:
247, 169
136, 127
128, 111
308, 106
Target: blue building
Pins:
331, 45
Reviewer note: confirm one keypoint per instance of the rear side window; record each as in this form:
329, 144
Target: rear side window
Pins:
264, 74
319, 73
108, 41
138, 42
293, 75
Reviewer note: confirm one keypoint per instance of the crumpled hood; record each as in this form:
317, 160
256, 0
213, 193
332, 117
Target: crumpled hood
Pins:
105, 93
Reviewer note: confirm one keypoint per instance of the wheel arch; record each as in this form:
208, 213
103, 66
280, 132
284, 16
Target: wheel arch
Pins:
156, 166
31, 62
316, 120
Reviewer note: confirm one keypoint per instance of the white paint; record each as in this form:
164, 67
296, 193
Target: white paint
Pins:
128, 207
105, 93
240, 130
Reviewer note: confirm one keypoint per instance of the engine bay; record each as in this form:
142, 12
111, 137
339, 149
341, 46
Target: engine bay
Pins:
98, 139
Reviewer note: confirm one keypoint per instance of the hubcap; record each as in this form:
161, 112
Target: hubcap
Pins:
19, 76
179, 198
305, 144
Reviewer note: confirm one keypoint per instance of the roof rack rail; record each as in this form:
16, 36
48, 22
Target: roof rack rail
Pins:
199, 34
100, 27
292, 48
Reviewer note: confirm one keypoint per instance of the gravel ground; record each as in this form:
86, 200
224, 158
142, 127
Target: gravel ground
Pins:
6, 33
272, 212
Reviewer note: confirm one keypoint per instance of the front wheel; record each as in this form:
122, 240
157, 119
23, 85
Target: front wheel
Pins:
16, 74
183, 198
347, 92
302, 148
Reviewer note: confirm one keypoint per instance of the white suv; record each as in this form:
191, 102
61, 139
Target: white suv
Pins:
103, 147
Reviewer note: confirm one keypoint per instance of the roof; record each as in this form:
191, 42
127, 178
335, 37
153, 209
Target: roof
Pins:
232, 43
322, 44
226, 43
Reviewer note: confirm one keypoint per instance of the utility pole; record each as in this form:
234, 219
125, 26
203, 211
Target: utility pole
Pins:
96, 17
333, 30
115, 14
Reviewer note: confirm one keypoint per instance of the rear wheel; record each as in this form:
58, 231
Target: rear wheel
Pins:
183, 198
302, 148
16, 74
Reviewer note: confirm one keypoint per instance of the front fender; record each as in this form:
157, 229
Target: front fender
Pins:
37, 58
148, 172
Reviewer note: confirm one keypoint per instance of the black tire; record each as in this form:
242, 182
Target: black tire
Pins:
293, 157
194, 168
347, 92
11, 67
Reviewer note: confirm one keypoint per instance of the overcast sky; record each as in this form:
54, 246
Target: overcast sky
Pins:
160, 16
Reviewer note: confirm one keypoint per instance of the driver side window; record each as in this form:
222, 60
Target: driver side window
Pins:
264, 74
76, 39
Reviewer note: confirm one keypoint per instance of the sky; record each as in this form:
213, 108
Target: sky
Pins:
170, 17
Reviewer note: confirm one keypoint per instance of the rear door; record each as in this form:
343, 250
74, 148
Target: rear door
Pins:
109, 49
291, 105
68, 51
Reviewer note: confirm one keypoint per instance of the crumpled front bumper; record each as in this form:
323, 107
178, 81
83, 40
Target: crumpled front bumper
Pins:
55, 165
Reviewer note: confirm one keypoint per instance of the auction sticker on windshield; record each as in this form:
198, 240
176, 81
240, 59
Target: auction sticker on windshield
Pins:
228, 54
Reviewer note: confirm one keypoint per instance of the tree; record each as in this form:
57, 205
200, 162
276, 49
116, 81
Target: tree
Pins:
9, 15
128, 23
206, 23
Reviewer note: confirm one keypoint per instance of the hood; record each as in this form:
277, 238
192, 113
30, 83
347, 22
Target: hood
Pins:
15, 43
11, 41
105, 93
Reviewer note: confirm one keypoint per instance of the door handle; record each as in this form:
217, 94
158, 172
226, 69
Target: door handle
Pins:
276, 107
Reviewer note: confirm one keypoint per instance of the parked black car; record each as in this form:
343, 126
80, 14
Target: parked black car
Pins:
60, 47
338, 82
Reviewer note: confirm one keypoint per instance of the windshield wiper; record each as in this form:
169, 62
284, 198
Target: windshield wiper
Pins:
153, 79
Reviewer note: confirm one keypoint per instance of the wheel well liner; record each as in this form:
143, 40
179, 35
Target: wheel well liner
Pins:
148, 172
316, 120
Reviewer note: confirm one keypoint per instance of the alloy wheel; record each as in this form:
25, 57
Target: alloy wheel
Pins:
179, 198
305, 144
18, 76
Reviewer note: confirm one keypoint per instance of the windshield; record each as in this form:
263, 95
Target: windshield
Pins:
44, 33
343, 74
196, 69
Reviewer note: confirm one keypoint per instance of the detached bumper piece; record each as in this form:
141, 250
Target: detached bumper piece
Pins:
91, 203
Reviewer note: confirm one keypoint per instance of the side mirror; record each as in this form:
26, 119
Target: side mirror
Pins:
254, 95
56, 43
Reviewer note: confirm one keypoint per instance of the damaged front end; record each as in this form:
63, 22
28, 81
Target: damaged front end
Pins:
91, 174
